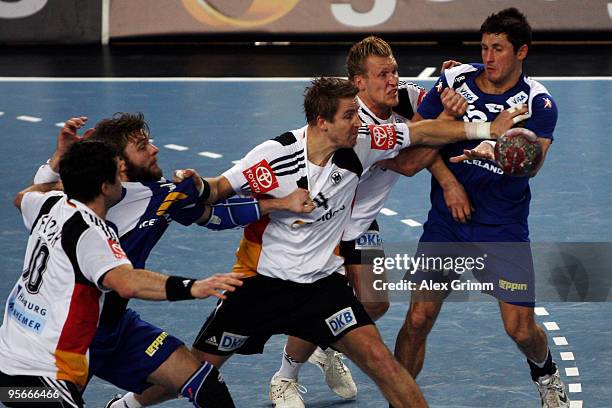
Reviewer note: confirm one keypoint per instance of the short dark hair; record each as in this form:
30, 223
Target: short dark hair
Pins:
511, 22
371, 46
118, 130
322, 97
85, 167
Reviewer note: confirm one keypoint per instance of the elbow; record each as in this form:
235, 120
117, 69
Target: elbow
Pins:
18, 199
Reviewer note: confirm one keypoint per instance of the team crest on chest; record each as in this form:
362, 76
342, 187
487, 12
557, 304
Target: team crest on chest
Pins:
335, 177
261, 177
383, 137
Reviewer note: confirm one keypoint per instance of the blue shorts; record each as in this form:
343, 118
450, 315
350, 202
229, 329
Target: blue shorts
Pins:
499, 255
127, 353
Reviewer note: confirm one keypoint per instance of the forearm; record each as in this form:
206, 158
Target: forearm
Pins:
441, 132
40, 188
140, 284
442, 174
411, 160
220, 189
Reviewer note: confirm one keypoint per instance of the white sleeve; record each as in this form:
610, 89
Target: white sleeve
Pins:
253, 174
97, 254
31, 204
45, 174
379, 142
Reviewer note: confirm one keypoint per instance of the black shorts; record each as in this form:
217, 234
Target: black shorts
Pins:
57, 393
363, 250
320, 312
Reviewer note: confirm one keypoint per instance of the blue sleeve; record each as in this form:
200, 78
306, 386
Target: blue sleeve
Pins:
543, 116
431, 106
233, 213
181, 203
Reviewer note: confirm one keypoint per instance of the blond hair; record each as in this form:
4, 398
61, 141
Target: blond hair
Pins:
360, 51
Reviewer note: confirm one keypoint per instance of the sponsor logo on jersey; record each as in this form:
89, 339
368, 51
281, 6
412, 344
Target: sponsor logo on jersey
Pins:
335, 177
494, 108
170, 199
231, 341
27, 314
116, 249
331, 213
383, 137
460, 78
467, 93
517, 99
547, 103
369, 240
261, 177
212, 341
147, 223
341, 321
157, 343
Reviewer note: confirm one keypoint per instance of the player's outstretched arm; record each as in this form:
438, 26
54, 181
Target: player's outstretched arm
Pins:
144, 284
441, 132
38, 188
67, 137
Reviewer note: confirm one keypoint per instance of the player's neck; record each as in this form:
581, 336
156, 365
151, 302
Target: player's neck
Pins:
498, 88
320, 149
98, 206
381, 112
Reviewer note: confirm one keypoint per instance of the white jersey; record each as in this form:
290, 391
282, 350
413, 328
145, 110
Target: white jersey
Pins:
300, 247
375, 185
52, 313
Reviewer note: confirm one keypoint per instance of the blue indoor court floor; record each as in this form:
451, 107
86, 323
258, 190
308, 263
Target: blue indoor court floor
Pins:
207, 124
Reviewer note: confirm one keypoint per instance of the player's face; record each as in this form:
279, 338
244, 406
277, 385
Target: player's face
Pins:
141, 159
378, 88
501, 63
343, 130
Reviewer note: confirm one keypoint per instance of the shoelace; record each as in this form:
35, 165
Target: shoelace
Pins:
298, 388
551, 392
338, 363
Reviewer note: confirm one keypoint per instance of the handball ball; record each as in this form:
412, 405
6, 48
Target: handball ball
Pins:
518, 152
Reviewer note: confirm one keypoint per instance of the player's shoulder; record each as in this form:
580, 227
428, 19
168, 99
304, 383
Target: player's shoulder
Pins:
535, 87
458, 74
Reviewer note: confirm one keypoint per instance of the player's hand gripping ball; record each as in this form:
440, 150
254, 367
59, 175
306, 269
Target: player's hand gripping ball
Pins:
518, 152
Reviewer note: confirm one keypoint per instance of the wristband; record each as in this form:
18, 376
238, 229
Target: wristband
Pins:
179, 288
45, 174
477, 130
205, 194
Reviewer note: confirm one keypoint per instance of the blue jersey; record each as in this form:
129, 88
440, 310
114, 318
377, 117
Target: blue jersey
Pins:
142, 216
496, 197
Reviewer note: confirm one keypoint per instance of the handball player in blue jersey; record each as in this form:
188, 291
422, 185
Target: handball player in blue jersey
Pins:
495, 214
127, 351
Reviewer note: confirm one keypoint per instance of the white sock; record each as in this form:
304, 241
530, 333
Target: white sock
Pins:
289, 368
127, 401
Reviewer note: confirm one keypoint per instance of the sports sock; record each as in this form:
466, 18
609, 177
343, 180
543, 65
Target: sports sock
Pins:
127, 401
206, 388
547, 367
289, 368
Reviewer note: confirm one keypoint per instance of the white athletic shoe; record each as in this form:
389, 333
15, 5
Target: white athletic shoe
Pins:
286, 393
116, 398
552, 391
337, 374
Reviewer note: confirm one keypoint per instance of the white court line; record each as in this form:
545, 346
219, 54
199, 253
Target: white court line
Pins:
571, 371
235, 161
567, 356
411, 223
27, 118
60, 124
551, 326
1, 113
386, 211
540, 311
210, 154
576, 387
426, 73
176, 147
575, 404
243, 79
560, 341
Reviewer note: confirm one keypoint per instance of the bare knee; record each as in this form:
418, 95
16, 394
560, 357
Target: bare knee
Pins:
376, 310
421, 318
521, 332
